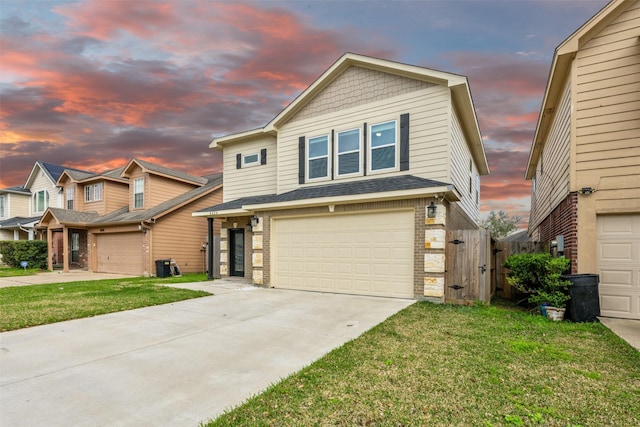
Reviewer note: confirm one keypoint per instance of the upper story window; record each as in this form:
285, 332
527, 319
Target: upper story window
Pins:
348, 155
41, 201
318, 157
93, 192
250, 159
70, 196
138, 193
382, 149
2, 212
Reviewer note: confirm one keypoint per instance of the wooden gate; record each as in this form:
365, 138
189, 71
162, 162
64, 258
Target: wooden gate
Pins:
468, 266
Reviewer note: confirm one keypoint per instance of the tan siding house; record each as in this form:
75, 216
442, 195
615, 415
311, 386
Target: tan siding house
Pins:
109, 233
24, 205
358, 186
585, 158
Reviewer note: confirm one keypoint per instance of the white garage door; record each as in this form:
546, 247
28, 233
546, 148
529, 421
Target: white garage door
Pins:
120, 253
366, 254
618, 263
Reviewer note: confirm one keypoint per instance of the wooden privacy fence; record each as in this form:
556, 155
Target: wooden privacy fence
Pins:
468, 266
501, 251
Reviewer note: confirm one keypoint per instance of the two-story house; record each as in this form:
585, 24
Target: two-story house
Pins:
584, 162
352, 187
123, 220
22, 207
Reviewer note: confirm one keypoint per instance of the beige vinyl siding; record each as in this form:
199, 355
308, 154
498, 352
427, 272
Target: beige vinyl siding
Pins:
608, 114
553, 171
17, 205
251, 180
460, 158
180, 236
428, 134
42, 182
116, 195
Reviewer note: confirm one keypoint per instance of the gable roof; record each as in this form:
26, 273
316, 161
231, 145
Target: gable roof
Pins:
375, 188
124, 216
458, 85
560, 66
50, 170
164, 171
79, 176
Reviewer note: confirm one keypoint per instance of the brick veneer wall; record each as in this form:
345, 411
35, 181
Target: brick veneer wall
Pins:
564, 220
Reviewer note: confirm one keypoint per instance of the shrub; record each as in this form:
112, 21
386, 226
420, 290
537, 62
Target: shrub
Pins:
33, 251
539, 275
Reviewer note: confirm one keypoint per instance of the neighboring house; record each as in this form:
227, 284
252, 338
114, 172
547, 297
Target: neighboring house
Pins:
584, 162
334, 193
123, 220
22, 207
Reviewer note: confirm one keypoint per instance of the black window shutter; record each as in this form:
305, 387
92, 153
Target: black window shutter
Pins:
238, 161
404, 142
263, 156
332, 152
301, 159
364, 149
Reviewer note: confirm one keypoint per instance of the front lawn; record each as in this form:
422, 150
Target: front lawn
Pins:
24, 306
12, 271
440, 365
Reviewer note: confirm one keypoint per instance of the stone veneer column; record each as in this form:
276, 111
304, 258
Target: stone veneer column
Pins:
434, 258
257, 255
224, 248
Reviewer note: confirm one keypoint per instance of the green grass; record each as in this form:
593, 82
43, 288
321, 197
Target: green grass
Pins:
25, 306
12, 272
441, 365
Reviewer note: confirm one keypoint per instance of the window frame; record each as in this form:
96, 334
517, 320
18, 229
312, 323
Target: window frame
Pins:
309, 159
395, 145
253, 163
2, 206
70, 195
338, 154
36, 201
93, 192
140, 193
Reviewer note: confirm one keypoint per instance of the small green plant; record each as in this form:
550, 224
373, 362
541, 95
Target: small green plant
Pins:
539, 276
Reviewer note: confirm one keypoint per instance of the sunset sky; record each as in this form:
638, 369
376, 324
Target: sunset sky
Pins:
92, 83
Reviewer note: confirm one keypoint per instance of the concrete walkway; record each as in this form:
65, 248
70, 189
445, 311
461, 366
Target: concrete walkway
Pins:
175, 364
56, 277
627, 329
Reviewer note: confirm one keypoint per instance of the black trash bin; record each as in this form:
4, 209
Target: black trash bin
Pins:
163, 267
584, 305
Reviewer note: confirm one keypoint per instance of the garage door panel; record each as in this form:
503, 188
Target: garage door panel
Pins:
618, 264
120, 253
370, 254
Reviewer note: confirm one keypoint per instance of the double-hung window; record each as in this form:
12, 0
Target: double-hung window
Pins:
349, 152
138, 193
70, 195
383, 146
41, 201
93, 192
318, 157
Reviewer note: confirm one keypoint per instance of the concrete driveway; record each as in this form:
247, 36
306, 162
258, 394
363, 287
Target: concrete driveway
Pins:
176, 364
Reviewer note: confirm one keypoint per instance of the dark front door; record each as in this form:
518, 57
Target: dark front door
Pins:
236, 252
